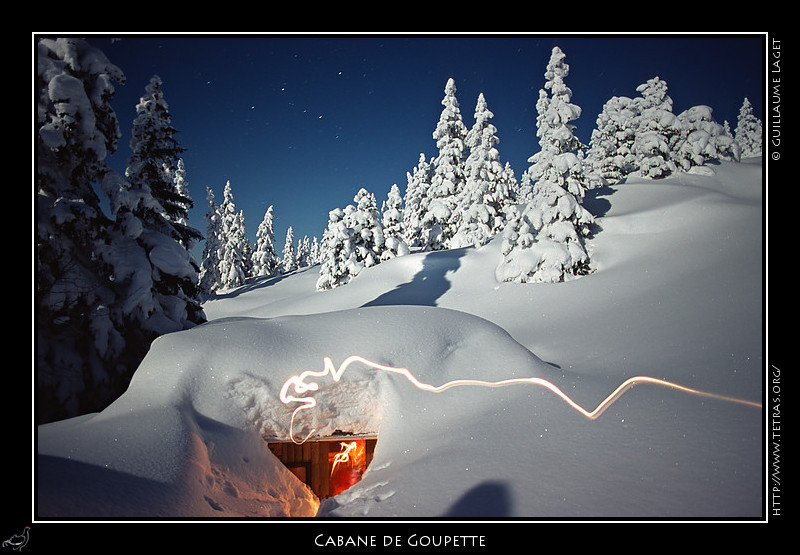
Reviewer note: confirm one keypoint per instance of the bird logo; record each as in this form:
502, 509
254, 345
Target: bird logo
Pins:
18, 541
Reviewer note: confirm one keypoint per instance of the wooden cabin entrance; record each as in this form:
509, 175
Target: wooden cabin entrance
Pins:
327, 465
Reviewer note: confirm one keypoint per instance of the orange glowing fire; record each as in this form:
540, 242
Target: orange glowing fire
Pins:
348, 466
298, 382
344, 455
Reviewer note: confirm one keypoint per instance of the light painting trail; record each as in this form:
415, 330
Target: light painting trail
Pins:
344, 456
301, 387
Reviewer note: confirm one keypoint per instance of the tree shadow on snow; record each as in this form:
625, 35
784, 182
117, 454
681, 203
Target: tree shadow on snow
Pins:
597, 204
73, 489
253, 283
488, 499
428, 284
595, 200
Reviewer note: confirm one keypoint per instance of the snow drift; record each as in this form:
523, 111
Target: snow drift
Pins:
675, 294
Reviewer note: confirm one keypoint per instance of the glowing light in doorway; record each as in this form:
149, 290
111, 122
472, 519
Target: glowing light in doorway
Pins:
344, 455
301, 387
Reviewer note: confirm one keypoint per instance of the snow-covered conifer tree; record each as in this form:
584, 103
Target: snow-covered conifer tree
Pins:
447, 178
415, 201
748, 133
702, 139
181, 213
611, 146
303, 252
393, 225
247, 250
353, 241
161, 284
156, 165
233, 238
481, 204
289, 259
79, 342
656, 130
525, 194
511, 184
314, 256
265, 260
210, 279
544, 242
368, 230
336, 250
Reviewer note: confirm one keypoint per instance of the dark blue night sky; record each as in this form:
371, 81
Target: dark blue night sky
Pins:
303, 122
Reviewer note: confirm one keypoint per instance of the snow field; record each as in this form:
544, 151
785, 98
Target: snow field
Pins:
676, 294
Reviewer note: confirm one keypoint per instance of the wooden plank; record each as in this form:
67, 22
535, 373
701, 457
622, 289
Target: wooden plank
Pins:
370, 450
324, 470
314, 482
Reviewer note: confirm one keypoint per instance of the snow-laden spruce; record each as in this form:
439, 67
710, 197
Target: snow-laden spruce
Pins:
511, 184
265, 260
543, 242
525, 192
643, 136
314, 252
393, 225
368, 227
209, 266
233, 243
748, 131
447, 173
76, 130
156, 164
335, 251
353, 240
178, 176
289, 256
482, 203
702, 139
415, 202
161, 283
611, 153
106, 286
656, 130
303, 252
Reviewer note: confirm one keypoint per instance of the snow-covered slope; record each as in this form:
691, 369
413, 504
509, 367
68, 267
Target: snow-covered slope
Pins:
676, 295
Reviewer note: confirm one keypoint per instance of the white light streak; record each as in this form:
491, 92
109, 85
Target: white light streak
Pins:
344, 456
298, 382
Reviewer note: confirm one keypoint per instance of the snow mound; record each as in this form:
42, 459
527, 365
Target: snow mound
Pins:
188, 434
675, 293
